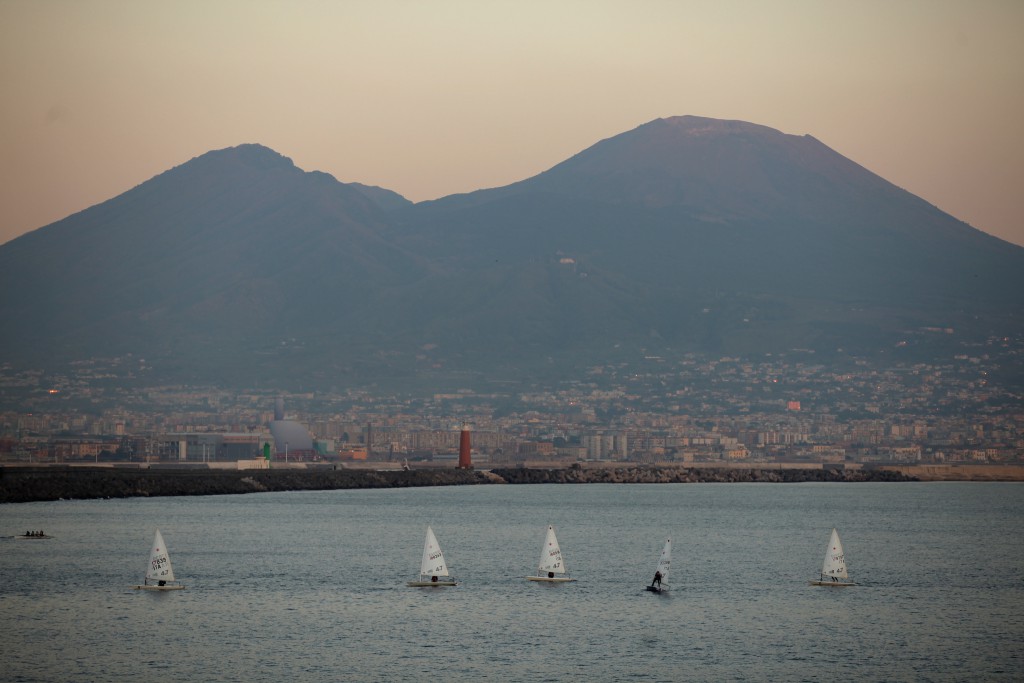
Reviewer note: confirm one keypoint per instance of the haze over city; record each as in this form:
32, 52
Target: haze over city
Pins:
430, 99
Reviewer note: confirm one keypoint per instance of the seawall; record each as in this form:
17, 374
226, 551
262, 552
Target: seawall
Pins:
27, 484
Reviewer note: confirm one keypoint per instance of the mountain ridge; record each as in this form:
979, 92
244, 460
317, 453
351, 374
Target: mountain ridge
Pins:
685, 234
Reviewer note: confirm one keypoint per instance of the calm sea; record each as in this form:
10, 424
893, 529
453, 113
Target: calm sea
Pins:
310, 586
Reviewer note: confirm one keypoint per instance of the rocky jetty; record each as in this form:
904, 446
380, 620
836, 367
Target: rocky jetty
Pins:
26, 484
687, 475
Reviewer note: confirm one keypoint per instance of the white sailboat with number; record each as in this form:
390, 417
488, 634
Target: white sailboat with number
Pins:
159, 573
660, 581
833, 570
432, 566
551, 567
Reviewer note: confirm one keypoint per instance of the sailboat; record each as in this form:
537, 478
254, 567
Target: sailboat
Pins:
833, 570
551, 567
664, 563
159, 571
432, 566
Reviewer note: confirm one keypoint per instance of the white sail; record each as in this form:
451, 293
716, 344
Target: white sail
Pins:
433, 559
835, 561
551, 555
159, 561
665, 561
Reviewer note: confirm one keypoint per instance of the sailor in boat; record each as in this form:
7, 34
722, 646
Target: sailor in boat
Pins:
657, 579
161, 583
433, 579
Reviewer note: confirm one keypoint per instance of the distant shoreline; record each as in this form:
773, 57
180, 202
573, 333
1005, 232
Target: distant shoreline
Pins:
22, 484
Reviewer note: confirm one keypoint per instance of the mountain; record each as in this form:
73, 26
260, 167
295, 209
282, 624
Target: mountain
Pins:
236, 250
737, 206
684, 234
726, 237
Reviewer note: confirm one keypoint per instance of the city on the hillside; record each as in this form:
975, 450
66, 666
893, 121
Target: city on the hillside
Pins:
967, 409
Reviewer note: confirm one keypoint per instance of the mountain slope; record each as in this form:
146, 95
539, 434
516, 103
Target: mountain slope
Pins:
236, 247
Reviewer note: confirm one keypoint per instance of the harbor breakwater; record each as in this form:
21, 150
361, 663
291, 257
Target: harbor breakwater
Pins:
24, 484
28, 484
688, 475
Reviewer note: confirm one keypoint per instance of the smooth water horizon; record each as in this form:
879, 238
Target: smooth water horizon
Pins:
311, 585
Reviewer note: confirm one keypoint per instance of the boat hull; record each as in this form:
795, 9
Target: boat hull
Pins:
431, 584
554, 579
837, 584
33, 538
654, 589
159, 588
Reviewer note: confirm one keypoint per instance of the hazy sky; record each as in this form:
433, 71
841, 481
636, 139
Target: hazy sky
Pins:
432, 98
